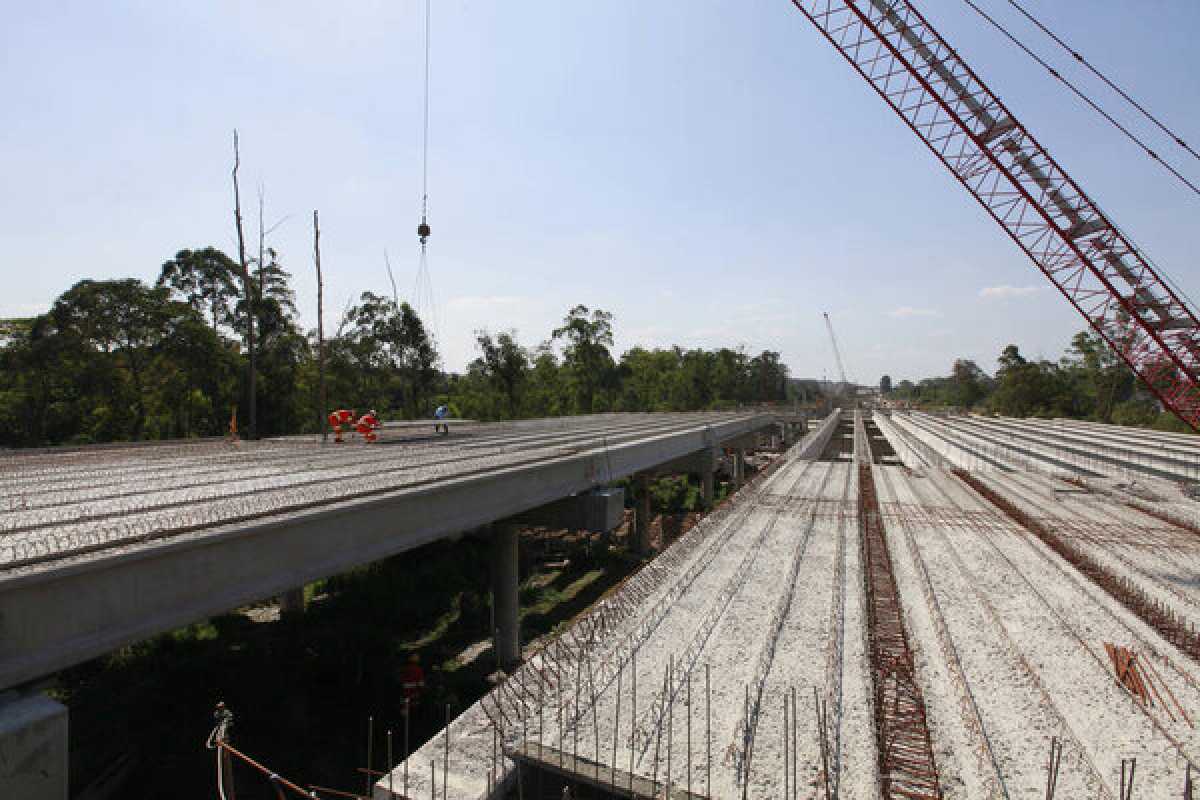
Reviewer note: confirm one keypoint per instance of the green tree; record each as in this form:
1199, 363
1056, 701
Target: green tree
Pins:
968, 383
1101, 378
124, 319
588, 335
504, 364
387, 355
205, 281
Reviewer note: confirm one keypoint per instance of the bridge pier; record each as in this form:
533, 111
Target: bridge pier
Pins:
707, 467
505, 599
33, 747
641, 516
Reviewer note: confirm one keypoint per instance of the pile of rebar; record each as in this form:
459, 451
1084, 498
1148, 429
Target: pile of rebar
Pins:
906, 765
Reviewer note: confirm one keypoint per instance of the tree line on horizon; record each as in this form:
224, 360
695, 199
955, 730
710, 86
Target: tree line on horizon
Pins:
1088, 382
120, 360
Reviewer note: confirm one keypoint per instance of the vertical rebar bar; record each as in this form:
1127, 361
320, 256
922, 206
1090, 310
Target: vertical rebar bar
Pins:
612, 780
595, 719
824, 739
433, 779
795, 747
689, 732
787, 735
446, 754
632, 717
370, 745
746, 746
575, 714
407, 752
670, 716
657, 744
707, 735
1052, 767
391, 789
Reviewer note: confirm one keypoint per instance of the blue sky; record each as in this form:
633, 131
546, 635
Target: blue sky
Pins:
712, 173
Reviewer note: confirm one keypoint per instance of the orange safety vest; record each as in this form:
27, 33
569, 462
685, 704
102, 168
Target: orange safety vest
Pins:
412, 681
341, 417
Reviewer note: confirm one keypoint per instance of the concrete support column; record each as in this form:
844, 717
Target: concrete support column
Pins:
33, 748
707, 465
291, 603
641, 517
505, 602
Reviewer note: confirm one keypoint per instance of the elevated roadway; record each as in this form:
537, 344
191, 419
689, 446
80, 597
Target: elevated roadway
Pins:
103, 547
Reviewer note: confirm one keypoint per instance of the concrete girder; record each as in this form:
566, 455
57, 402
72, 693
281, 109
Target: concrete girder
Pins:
57, 616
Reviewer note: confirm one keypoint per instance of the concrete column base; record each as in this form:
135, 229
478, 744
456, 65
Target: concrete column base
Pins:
505, 599
33, 748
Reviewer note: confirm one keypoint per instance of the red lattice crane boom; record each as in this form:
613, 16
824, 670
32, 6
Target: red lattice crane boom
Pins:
1023, 188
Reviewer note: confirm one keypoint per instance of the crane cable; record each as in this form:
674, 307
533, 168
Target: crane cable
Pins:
423, 290
1079, 93
1124, 95
425, 145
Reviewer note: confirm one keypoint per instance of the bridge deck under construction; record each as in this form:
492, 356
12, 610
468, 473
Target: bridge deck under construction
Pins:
738, 663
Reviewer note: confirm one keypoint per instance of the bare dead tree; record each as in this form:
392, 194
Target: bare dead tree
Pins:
248, 290
321, 420
395, 295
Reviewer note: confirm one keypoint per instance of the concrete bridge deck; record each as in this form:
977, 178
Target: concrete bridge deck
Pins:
100, 547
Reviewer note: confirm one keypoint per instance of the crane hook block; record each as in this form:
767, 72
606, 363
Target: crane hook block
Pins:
423, 230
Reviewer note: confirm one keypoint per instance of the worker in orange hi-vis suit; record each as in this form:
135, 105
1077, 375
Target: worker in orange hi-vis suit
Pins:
340, 418
366, 425
412, 682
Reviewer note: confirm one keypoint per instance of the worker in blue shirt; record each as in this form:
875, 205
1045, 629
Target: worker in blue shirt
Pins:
439, 420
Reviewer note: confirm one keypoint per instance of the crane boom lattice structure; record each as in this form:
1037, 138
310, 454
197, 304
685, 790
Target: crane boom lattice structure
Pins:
1023, 188
837, 352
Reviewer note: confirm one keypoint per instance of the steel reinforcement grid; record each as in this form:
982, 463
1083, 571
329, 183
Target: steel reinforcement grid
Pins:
1163, 619
906, 765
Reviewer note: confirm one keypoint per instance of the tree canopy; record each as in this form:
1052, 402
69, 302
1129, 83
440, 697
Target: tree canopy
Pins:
120, 360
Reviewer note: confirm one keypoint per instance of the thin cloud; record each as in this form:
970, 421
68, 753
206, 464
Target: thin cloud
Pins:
1007, 292
904, 312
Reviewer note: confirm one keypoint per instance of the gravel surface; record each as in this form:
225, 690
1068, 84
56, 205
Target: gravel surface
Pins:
767, 594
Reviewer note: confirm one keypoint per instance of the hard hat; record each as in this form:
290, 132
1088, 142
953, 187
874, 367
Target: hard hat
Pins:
371, 412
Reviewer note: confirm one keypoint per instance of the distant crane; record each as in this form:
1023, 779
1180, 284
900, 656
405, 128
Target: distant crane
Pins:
837, 353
